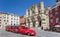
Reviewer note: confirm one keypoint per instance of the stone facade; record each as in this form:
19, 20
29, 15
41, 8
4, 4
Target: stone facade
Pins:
37, 16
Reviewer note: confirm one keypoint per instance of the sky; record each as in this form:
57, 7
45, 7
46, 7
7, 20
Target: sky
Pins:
19, 7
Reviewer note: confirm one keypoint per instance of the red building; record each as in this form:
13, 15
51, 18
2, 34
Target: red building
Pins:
54, 14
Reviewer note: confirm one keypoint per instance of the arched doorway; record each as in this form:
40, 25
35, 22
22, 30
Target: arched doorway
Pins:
33, 21
28, 22
39, 20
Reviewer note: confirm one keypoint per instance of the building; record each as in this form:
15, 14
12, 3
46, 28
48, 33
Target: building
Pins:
54, 15
47, 26
37, 16
23, 20
8, 19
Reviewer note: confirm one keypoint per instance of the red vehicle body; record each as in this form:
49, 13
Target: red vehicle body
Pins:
21, 29
11, 28
8, 28
26, 30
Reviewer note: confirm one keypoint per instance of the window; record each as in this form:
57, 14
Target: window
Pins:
0, 17
43, 19
17, 18
50, 15
57, 20
38, 17
4, 17
28, 21
56, 14
43, 23
14, 18
7, 17
4, 20
7, 21
14, 24
39, 11
0, 25
34, 23
11, 21
0, 22
11, 18
33, 12
56, 9
28, 12
51, 20
32, 18
50, 11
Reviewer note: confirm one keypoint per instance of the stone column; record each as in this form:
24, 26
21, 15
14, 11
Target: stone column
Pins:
36, 9
42, 5
47, 20
26, 22
42, 15
31, 23
27, 13
30, 12
37, 23
43, 21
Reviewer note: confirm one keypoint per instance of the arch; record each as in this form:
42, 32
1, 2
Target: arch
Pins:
28, 22
39, 20
33, 20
